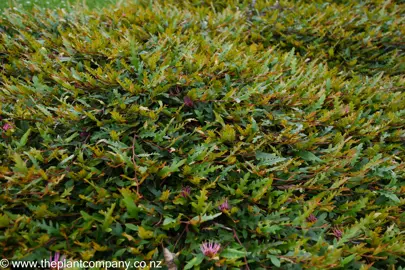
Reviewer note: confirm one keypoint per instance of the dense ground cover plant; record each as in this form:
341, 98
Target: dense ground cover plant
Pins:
28, 4
233, 135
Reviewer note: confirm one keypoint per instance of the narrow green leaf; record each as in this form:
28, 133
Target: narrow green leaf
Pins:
24, 138
348, 259
231, 253
194, 262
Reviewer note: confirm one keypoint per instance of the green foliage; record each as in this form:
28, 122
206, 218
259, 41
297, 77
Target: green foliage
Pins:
53, 3
291, 113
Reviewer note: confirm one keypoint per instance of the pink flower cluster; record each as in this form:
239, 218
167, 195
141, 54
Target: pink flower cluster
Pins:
311, 218
337, 233
185, 192
56, 261
224, 206
210, 249
7, 126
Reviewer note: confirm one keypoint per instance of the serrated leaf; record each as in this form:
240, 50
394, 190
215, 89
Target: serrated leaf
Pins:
24, 138
108, 218
268, 159
308, 156
203, 218
219, 119
167, 171
19, 164
390, 196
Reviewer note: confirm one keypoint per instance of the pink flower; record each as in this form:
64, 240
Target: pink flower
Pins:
185, 192
55, 263
337, 233
188, 101
7, 126
84, 134
311, 218
210, 249
224, 206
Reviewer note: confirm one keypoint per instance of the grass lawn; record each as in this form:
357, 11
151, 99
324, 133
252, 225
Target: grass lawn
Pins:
208, 135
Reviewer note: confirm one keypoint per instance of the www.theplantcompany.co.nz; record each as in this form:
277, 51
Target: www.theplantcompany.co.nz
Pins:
80, 264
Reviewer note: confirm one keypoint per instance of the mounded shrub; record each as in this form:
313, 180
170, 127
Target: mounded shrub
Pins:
276, 131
